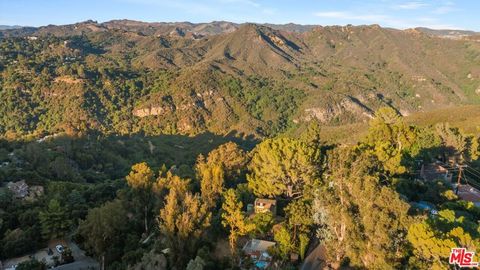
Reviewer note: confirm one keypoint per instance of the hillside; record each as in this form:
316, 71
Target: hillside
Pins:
129, 145
452, 34
124, 77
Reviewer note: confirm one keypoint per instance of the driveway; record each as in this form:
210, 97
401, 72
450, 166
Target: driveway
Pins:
315, 260
82, 262
40, 255
87, 264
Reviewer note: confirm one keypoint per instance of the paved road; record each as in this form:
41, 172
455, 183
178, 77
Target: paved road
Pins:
82, 262
315, 260
86, 264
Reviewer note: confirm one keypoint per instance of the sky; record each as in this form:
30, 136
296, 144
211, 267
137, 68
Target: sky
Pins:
440, 14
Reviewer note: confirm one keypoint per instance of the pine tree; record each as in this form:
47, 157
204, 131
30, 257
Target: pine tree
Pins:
360, 218
211, 178
282, 167
183, 220
141, 180
233, 218
389, 138
54, 221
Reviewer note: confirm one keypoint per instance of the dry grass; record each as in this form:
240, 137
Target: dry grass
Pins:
467, 118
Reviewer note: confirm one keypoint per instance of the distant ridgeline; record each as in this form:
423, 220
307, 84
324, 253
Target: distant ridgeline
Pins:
125, 77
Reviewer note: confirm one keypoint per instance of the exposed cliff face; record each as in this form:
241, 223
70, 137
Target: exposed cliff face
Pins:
335, 110
193, 112
127, 76
155, 110
165, 105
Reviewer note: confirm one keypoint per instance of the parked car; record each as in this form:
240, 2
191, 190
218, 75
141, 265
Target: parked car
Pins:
59, 248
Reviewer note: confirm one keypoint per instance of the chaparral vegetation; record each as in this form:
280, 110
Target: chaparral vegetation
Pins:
254, 148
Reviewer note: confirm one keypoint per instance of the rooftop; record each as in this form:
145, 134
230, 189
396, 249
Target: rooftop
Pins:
265, 201
469, 193
257, 245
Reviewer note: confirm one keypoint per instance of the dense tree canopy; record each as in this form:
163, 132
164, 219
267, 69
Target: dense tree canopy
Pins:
211, 178
232, 159
183, 219
141, 180
281, 166
55, 221
433, 238
103, 229
389, 138
359, 202
234, 219
351, 229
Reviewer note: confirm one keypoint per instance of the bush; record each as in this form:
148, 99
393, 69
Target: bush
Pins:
31, 265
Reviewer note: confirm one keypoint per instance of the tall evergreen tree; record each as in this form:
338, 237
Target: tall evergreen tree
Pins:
234, 219
103, 229
141, 179
211, 178
282, 166
54, 220
184, 219
361, 220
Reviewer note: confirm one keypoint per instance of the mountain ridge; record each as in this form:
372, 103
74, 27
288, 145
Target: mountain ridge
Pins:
127, 76
211, 28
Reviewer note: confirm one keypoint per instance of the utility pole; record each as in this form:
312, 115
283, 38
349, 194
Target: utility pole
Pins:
460, 171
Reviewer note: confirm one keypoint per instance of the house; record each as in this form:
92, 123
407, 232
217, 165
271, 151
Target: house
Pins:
469, 194
19, 189
265, 205
435, 171
34, 192
257, 250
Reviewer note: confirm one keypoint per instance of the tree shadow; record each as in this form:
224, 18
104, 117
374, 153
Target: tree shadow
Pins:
93, 158
428, 155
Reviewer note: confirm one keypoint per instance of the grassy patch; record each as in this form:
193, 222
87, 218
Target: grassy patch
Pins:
465, 117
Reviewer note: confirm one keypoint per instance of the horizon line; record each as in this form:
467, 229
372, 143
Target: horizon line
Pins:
18, 26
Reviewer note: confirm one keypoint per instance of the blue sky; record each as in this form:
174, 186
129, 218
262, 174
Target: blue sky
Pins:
438, 14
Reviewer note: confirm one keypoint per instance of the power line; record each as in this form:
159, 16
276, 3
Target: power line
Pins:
471, 168
464, 177
468, 163
472, 184
473, 172
437, 171
459, 178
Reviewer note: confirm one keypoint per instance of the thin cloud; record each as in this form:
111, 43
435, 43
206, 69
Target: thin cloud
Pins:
350, 16
444, 8
384, 20
243, 2
269, 11
411, 5
185, 6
